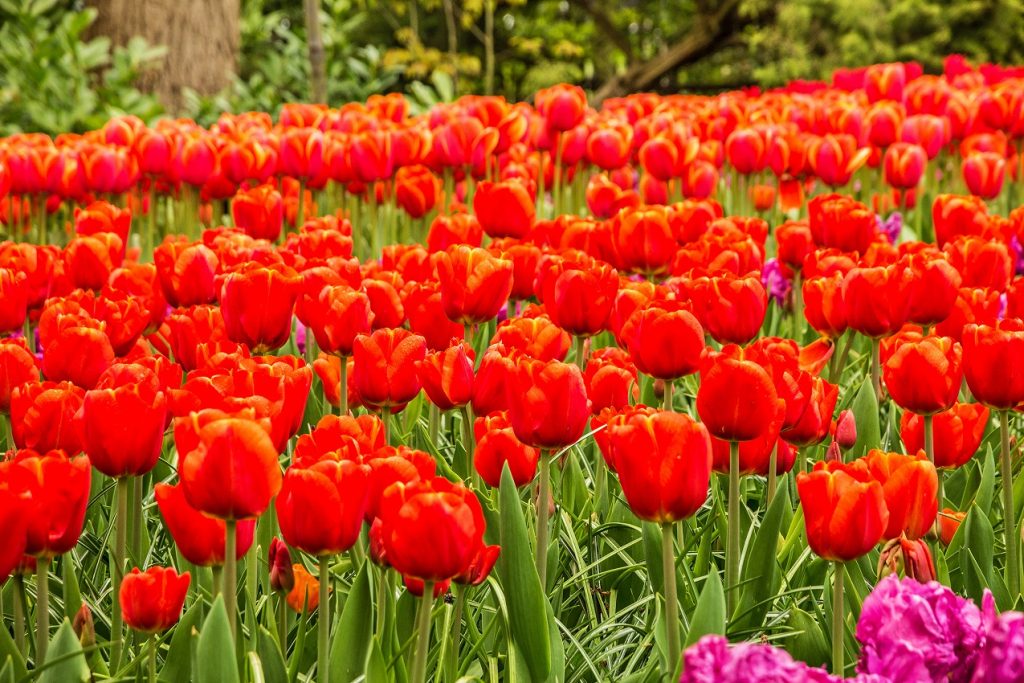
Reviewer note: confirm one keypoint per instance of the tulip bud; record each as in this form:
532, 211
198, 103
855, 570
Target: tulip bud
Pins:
659, 389
282, 578
911, 559
84, 627
846, 430
377, 552
833, 454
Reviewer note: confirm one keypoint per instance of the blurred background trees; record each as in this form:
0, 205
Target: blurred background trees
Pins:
68, 64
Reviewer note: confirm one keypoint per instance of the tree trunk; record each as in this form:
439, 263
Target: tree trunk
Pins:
201, 37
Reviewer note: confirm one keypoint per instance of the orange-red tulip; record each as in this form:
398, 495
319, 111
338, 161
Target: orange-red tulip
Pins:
199, 537
151, 602
958, 433
736, 400
321, 507
910, 485
844, 510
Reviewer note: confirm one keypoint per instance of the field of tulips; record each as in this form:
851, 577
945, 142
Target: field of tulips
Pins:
723, 388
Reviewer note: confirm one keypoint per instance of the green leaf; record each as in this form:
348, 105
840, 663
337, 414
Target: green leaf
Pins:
988, 481
760, 568
865, 410
519, 578
216, 648
651, 535
352, 638
7, 671
72, 593
271, 658
376, 667
178, 665
9, 652
807, 643
65, 659
709, 617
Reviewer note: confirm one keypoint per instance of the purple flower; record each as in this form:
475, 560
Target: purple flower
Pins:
1002, 657
712, 660
1018, 255
300, 337
775, 281
919, 632
891, 227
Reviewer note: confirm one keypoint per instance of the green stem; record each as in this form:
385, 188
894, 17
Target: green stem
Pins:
323, 622
469, 444
418, 673
230, 576
929, 438
385, 417
798, 307
667, 397
876, 368
841, 365
1009, 518
20, 601
120, 541
542, 518
383, 590
137, 519
282, 622
732, 551
668, 567
773, 478
434, 424
838, 619
343, 393
42, 608
152, 659
579, 351
460, 606
216, 573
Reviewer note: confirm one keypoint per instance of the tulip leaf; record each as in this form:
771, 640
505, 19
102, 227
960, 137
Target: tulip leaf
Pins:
270, 658
760, 576
376, 666
65, 659
974, 537
178, 665
7, 672
9, 653
865, 411
519, 579
72, 593
709, 617
651, 534
807, 643
988, 482
216, 648
351, 644
557, 674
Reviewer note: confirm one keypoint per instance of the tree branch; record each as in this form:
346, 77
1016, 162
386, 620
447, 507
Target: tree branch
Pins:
607, 27
705, 34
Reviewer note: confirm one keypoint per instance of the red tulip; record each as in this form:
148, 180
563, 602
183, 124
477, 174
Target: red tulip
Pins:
910, 485
431, 529
13, 521
548, 403
958, 433
474, 283
257, 302
447, 376
228, 466
665, 340
339, 316
121, 424
385, 367
578, 295
737, 397
562, 106
13, 299
845, 510
875, 300
730, 308
840, 221
923, 374
321, 507
664, 465
504, 209
55, 492
199, 537
17, 367
498, 446
42, 416
983, 173
904, 164
259, 212
151, 602
994, 363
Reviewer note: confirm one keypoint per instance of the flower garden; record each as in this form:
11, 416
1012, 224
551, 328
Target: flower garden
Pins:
698, 388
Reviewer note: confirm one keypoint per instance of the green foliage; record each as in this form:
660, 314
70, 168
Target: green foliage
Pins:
54, 79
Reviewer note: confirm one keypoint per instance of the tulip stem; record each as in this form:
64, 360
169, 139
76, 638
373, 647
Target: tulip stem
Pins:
230, 575
120, 541
152, 659
282, 622
542, 518
137, 520
42, 608
469, 444
419, 662
579, 352
838, 619
19, 612
323, 624
434, 424
383, 591
668, 567
667, 397
1009, 522
837, 372
343, 388
732, 551
929, 439
876, 368
385, 418
773, 478
798, 307
460, 606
